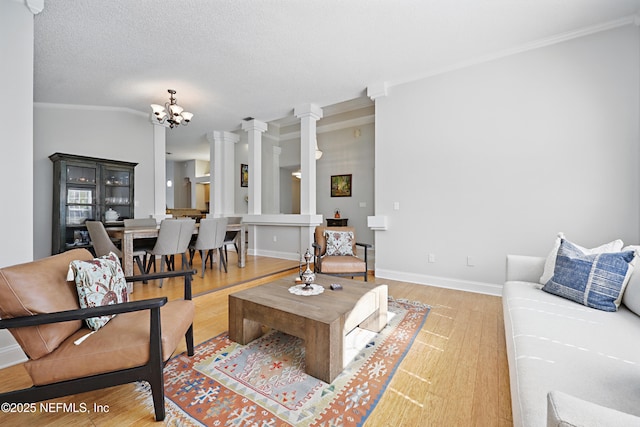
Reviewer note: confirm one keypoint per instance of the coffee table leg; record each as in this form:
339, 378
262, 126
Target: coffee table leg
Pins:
323, 350
241, 330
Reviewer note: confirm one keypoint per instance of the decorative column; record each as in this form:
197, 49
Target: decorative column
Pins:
276, 179
222, 163
377, 222
159, 171
254, 129
308, 115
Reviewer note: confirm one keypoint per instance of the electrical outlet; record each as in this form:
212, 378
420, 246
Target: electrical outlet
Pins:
275, 238
471, 261
432, 257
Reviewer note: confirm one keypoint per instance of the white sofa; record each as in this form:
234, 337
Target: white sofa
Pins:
569, 365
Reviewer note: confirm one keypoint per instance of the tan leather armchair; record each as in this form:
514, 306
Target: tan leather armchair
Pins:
41, 310
338, 265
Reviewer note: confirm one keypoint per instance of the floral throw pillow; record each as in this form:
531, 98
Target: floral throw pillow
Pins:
339, 243
99, 282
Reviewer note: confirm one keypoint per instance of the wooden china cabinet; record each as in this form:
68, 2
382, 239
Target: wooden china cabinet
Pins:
85, 188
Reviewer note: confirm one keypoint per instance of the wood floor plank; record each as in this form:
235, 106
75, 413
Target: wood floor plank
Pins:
455, 373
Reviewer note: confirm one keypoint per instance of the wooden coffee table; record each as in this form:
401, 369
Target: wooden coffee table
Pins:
322, 321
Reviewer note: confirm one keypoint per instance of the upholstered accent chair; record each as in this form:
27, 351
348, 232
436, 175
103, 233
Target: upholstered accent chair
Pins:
41, 309
335, 252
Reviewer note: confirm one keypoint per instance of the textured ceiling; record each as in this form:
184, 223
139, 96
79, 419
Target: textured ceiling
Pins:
231, 59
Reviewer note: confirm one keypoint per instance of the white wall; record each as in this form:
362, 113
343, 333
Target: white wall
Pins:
16, 148
16, 142
498, 157
348, 151
115, 134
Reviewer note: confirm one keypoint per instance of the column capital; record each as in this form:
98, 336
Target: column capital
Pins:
223, 136
254, 125
377, 90
308, 110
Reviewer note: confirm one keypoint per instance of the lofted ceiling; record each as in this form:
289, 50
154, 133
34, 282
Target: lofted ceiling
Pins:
229, 59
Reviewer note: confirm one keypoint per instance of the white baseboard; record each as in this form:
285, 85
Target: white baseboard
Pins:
293, 256
441, 282
11, 355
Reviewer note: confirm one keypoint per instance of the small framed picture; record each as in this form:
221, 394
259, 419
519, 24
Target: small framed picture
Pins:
244, 175
341, 185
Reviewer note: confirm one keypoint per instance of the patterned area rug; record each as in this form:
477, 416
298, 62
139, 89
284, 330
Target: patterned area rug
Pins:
264, 383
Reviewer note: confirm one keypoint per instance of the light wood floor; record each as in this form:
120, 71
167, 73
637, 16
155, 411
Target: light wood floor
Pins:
455, 373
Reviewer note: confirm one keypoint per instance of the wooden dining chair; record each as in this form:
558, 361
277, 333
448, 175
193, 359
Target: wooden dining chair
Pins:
173, 239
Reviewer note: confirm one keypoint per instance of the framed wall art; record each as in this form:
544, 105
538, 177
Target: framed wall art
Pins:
244, 175
341, 185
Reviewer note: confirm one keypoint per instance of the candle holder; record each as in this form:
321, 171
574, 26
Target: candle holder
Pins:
307, 276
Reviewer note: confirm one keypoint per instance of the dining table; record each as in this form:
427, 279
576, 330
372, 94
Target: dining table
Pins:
127, 235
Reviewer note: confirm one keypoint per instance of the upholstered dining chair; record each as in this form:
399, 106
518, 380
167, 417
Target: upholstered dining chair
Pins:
173, 239
210, 237
335, 252
102, 244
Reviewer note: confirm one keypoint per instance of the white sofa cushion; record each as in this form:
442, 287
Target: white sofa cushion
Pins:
556, 344
564, 410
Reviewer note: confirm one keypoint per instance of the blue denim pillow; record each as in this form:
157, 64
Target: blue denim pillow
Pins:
596, 280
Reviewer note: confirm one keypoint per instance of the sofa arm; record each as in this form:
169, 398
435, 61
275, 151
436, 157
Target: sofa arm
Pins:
524, 268
564, 410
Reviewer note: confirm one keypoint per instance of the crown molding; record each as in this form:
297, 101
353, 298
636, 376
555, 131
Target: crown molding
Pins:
548, 41
34, 6
89, 108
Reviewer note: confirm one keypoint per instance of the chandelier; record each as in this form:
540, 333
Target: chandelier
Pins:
171, 112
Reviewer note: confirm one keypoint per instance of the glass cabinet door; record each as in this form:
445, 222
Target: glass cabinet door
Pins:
81, 175
117, 192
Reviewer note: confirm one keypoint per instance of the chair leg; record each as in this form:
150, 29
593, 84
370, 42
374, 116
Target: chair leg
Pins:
162, 262
223, 261
203, 257
157, 391
140, 267
189, 339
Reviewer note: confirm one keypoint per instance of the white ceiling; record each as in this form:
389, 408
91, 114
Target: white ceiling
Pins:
229, 59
